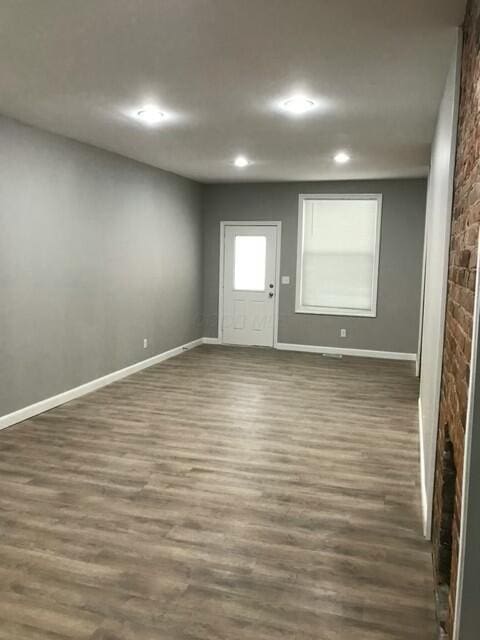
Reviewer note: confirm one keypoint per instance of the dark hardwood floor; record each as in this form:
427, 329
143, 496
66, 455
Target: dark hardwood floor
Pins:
227, 494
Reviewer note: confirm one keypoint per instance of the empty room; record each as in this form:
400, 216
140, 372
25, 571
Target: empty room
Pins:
239, 320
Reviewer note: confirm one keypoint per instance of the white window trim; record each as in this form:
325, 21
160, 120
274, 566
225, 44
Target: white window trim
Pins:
332, 311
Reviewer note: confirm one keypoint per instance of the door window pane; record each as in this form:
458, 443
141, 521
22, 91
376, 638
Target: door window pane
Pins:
250, 263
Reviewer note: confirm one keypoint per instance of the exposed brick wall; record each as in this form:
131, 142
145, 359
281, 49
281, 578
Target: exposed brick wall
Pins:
460, 301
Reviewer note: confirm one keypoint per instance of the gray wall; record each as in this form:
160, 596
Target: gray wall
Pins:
438, 218
96, 253
467, 618
396, 326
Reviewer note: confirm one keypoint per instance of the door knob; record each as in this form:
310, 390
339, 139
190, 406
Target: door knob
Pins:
270, 295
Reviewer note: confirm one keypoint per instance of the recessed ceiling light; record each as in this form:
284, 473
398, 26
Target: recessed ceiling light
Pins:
298, 105
150, 115
342, 157
241, 161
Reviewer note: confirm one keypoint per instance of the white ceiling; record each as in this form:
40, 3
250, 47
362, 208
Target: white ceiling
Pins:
219, 68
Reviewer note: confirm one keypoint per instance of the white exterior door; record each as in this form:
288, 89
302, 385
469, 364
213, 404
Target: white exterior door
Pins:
249, 284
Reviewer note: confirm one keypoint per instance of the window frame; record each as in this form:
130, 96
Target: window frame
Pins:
336, 311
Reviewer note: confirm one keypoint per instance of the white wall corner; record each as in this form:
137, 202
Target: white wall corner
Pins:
423, 486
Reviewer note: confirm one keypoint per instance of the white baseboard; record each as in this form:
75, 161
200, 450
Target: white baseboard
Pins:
308, 348
362, 353
423, 486
49, 403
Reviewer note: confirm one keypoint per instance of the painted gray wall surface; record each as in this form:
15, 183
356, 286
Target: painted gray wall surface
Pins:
467, 614
96, 253
396, 326
438, 222
469, 610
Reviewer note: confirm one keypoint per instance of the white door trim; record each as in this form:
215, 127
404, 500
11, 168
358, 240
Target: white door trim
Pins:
244, 223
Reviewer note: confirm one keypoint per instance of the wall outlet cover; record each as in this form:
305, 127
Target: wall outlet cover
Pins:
285, 279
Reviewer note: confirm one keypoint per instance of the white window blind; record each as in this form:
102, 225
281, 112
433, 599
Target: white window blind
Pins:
338, 251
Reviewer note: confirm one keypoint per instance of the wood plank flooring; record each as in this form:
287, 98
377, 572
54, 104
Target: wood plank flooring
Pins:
227, 494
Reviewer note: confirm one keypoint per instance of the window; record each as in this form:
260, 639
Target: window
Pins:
250, 263
338, 254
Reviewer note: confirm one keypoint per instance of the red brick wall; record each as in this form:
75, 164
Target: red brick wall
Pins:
460, 301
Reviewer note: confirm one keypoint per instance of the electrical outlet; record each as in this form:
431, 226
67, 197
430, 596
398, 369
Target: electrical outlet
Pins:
343, 333
145, 343
285, 279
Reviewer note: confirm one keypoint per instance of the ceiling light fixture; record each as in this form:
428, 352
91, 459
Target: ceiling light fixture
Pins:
241, 162
150, 115
298, 105
342, 157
